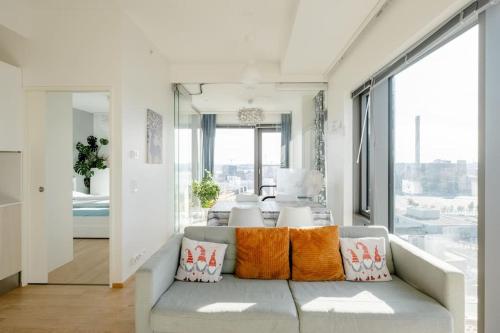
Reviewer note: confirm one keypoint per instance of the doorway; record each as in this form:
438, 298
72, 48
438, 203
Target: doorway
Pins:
69, 162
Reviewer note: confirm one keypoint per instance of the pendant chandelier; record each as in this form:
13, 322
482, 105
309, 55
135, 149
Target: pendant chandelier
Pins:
251, 116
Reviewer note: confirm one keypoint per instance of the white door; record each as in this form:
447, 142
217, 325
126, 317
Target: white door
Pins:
50, 160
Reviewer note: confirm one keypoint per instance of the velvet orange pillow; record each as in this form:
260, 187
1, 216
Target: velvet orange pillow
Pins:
316, 254
262, 253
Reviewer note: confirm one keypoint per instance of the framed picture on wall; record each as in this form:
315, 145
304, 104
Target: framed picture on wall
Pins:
154, 137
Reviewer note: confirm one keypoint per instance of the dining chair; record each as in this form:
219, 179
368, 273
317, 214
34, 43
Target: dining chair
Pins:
246, 217
295, 217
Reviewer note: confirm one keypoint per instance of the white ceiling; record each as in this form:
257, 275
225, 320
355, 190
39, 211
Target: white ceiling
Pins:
229, 98
304, 36
215, 31
300, 37
322, 30
93, 102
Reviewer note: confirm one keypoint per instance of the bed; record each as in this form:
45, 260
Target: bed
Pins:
90, 215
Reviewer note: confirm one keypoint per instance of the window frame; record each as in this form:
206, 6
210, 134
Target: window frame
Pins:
363, 181
447, 38
257, 145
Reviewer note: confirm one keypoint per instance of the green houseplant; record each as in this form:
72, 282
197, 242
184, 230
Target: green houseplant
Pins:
89, 158
206, 190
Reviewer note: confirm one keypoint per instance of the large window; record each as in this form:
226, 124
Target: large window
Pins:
247, 158
435, 157
234, 166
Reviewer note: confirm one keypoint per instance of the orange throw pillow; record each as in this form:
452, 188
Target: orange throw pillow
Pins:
262, 253
316, 254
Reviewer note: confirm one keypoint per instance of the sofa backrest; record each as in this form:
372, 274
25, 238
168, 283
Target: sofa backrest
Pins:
227, 235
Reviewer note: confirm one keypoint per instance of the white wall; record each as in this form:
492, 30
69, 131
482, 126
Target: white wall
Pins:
11, 108
148, 214
401, 24
59, 179
91, 49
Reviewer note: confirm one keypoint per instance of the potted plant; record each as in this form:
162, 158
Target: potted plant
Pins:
206, 190
89, 158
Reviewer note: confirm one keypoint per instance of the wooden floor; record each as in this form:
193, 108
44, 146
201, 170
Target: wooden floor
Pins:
68, 309
90, 264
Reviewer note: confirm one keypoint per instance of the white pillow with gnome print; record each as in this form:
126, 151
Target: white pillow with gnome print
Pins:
200, 261
364, 259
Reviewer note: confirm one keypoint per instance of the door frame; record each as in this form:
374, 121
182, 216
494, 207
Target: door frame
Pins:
32, 273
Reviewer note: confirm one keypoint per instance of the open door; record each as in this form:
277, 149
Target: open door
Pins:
50, 126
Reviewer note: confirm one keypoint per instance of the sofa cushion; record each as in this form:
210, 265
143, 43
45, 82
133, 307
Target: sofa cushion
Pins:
263, 253
316, 254
231, 305
371, 231
358, 307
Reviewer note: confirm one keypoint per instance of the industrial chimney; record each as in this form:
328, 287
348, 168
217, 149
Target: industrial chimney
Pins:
417, 140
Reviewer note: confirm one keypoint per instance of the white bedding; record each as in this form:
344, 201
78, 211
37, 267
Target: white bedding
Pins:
90, 226
79, 196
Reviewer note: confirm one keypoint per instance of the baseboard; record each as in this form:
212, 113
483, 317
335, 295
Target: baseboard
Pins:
10, 283
119, 285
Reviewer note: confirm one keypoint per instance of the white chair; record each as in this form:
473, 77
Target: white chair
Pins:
245, 197
246, 217
295, 217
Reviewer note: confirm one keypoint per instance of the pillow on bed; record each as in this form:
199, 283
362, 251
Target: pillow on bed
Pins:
200, 261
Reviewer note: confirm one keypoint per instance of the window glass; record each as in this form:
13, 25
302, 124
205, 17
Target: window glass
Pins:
234, 167
271, 159
435, 157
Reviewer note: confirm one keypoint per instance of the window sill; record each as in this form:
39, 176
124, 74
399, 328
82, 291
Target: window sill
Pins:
361, 220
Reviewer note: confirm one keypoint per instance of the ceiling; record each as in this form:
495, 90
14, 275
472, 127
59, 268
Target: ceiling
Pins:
215, 31
93, 102
229, 98
298, 37
302, 36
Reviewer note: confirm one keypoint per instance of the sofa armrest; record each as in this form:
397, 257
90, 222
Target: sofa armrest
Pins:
432, 276
153, 278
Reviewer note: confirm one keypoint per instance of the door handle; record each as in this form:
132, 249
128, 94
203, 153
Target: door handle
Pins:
41, 189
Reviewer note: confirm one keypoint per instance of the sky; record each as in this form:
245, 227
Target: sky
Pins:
443, 89
236, 146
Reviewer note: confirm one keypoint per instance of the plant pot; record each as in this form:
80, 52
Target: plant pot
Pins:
204, 214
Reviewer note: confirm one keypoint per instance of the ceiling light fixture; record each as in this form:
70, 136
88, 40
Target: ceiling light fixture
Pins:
251, 116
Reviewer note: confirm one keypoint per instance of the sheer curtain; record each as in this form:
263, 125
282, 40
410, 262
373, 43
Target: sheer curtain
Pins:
286, 136
208, 127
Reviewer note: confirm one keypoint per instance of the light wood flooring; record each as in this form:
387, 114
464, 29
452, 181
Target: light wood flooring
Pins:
90, 264
68, 309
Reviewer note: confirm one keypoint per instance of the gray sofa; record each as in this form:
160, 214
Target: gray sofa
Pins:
426, 295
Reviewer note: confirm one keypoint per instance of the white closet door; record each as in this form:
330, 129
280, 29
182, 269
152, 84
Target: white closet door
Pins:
50, 131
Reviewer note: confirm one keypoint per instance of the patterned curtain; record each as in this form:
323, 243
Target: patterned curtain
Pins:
208, 127
286, 136
319, 140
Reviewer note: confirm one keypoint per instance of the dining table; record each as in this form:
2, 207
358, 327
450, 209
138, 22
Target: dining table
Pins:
218, 215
